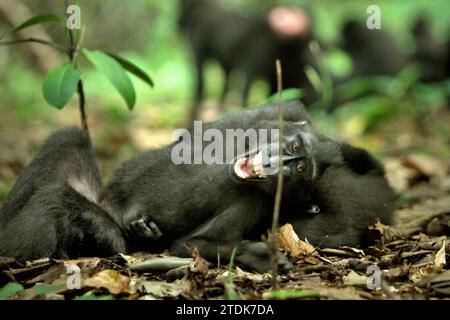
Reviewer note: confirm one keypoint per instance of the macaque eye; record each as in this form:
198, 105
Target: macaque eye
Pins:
296, 147
300, 166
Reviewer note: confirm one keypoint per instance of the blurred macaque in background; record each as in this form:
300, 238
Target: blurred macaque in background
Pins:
249, 44
431, 55
373, 51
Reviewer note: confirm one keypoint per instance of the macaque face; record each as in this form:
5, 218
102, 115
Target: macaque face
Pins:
261, 166
289, 22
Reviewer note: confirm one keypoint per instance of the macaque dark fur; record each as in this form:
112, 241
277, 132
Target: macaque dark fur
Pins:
247, 44
373, 52
59, 208
51, 210
430, 55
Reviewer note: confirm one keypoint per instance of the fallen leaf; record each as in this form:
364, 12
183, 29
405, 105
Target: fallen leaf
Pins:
424, 164
52, 274
198, 265
196, 275
398, 176
111, 280
354, 279
411, 220
84, 263
160, 264
383, 234
239, 275
439, 283
439, 260
160, 289
289, 242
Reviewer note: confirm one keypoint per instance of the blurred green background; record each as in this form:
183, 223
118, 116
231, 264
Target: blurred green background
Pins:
405, 116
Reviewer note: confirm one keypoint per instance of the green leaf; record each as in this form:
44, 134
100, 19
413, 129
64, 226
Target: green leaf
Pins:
291, 294
91, 296
60, 84
286, 95
129, 66
41, 18
10, 289
115, 73
42, 289
314, 78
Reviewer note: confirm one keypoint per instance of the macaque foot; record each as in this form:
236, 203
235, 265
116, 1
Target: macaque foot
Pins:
143, 228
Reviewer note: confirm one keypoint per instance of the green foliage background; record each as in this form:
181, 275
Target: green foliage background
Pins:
146, 33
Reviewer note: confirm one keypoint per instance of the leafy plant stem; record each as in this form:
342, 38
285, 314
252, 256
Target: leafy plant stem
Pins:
81, 97
82, 102
36, 40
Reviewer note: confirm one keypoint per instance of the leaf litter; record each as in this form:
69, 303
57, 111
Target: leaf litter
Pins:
406, 260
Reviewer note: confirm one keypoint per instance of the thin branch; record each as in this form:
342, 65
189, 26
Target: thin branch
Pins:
271, 242
82, 102
36, 40
276, 210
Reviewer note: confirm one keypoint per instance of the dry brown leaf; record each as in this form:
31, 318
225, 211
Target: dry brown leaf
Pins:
382, 234
196, 274
296, 249
398, 176
111, 280
160, 289
84, 263
439, 260
424, 164
239, 275
354, 279
411, 220
198, 265
416, 275
52, 274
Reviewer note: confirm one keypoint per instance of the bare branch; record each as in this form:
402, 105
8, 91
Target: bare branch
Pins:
36, 40
271, 241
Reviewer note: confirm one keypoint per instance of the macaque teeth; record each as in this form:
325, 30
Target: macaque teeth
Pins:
257, 159
257, 164
238, 170
250, 167
262, 173
256, 170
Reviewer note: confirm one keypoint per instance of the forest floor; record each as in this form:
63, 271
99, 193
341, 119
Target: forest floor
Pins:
407, 260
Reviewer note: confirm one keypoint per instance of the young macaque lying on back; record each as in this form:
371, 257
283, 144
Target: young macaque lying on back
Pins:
217, 206
332, 191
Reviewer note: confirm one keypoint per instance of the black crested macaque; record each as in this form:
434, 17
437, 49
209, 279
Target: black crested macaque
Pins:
349, 196
248, 44
332, 192
431, 55
53, 209
214, 206
373, 51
